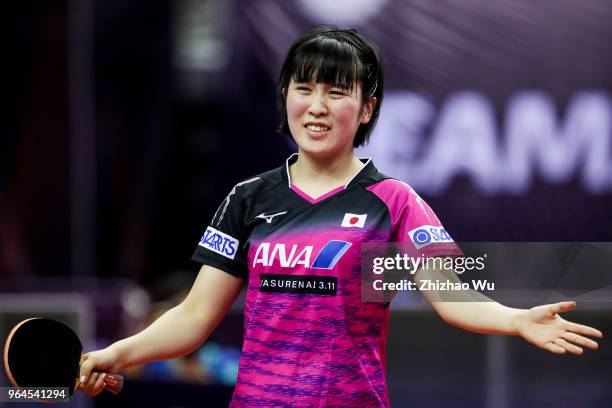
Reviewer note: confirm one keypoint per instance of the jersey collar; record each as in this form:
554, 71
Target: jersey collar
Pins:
361, 174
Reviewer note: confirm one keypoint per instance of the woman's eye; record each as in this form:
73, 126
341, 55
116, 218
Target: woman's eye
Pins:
337, 92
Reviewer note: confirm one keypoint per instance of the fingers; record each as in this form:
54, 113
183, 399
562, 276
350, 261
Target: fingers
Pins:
561, 307
586, 330
86, 368
572, 348
553, 348
570, 342
99, 384
580, 340
111, 381
94, 384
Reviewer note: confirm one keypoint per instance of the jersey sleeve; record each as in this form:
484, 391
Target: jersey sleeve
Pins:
223, 243
413, 223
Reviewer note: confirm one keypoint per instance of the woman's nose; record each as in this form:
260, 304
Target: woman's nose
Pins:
318, 106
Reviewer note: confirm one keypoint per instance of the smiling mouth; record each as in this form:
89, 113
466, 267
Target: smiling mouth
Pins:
317, 128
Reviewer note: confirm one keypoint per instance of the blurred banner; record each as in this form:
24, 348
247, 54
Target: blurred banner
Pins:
499, 113
128, 125
505, 93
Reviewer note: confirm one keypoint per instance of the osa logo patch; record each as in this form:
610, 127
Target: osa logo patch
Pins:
428, 234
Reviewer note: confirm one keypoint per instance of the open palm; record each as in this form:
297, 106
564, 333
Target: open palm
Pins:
543, 327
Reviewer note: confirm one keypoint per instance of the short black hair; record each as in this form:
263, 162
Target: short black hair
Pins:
339, 57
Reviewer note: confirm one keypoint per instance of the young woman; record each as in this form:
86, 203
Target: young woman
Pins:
293, 235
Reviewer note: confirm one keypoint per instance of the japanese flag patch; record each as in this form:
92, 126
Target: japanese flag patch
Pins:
354, 220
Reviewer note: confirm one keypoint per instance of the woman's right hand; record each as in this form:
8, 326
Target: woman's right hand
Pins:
212, 294
95, 368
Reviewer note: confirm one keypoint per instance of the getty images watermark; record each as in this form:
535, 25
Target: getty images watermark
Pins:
405, 264
441, 275
505, 271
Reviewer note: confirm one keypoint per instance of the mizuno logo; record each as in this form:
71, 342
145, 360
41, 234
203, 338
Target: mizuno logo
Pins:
270, 217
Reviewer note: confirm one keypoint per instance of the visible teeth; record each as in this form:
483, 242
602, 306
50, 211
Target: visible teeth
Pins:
316, 128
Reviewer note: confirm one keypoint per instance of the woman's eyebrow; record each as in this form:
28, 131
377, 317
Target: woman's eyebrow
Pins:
326, 85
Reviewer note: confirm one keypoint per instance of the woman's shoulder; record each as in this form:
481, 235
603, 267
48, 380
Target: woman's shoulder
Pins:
389, 186
259, 183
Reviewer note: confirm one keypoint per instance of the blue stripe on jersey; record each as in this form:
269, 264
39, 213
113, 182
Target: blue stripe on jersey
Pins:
330, 254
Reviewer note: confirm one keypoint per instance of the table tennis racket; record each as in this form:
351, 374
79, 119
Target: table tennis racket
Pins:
42, 352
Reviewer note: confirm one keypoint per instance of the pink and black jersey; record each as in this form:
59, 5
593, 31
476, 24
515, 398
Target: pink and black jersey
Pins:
309, 340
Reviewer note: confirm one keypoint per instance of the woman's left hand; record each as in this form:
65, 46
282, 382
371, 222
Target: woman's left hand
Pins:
543, 327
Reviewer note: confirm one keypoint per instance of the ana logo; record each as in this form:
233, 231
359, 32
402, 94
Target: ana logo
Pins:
267, 254
270, 217
428, 234
219, 242
354, 220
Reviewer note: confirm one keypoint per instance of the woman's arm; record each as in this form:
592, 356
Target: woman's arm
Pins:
541, 325
177, 332
467, 309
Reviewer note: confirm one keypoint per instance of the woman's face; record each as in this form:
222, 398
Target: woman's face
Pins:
323, 119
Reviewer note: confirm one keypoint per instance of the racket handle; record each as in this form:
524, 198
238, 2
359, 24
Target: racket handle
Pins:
115, 388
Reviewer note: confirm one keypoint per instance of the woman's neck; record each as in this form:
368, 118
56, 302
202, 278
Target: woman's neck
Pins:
306, 171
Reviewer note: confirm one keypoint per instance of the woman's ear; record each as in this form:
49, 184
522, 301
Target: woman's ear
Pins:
368, 110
